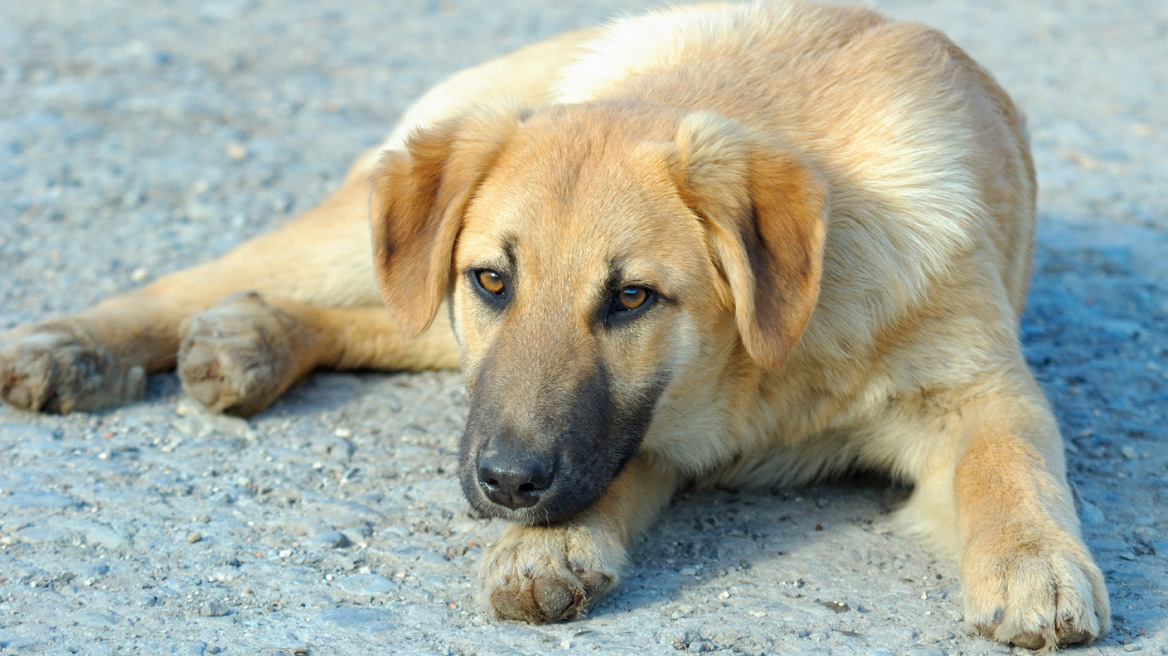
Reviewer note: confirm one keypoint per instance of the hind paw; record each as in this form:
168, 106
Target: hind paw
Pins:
58, 366
240, 355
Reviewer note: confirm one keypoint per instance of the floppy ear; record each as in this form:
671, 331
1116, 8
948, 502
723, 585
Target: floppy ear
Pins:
417, 203
766, 212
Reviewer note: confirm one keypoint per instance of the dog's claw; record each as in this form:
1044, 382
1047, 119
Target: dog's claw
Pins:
59, 367
1068, 633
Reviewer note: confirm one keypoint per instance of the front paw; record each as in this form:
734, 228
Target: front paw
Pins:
546, 574
1036, 590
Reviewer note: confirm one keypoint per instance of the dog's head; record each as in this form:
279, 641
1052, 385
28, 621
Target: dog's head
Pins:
604, 262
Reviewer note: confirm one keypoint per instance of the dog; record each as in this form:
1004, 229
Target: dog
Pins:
725, 245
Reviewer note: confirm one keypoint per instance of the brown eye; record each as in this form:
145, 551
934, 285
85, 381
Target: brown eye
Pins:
631, 298
490, 281
629, 303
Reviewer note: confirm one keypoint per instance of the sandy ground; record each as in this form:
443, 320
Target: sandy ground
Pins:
138, 138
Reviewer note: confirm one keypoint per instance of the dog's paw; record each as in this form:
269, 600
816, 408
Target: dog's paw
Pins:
58, 366
1039, 592
547, 574
241, 354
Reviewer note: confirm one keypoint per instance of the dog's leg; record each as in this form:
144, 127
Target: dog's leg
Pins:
1028, 579
100, 356
548, 573
240, 355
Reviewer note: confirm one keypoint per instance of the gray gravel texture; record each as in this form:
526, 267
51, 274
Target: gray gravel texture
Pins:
138, 138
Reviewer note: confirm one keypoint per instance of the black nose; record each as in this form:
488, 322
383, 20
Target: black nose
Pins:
514, 480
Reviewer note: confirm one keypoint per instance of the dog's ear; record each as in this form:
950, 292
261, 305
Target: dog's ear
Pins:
766, 213
417, 204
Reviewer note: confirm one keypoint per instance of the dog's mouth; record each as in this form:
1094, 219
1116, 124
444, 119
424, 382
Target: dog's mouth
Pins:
532, 486
556, 468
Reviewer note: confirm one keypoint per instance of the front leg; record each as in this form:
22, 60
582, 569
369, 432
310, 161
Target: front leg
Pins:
1028, 578
548, 573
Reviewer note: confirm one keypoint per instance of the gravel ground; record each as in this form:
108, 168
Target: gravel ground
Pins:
137, 138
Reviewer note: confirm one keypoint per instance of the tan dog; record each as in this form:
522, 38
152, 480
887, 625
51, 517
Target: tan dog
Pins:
738, 246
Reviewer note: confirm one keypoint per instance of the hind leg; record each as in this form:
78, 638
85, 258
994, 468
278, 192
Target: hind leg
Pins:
241, 329
99, 357
240, 355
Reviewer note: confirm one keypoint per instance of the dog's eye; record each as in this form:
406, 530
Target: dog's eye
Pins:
628, 303
490, 281
631, 298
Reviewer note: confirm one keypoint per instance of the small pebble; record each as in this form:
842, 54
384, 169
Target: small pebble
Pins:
236, 151
94, 570
368, 584
307, 526
41, 535
332, 539
358, 535
195, 537
214, 609
920, 650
